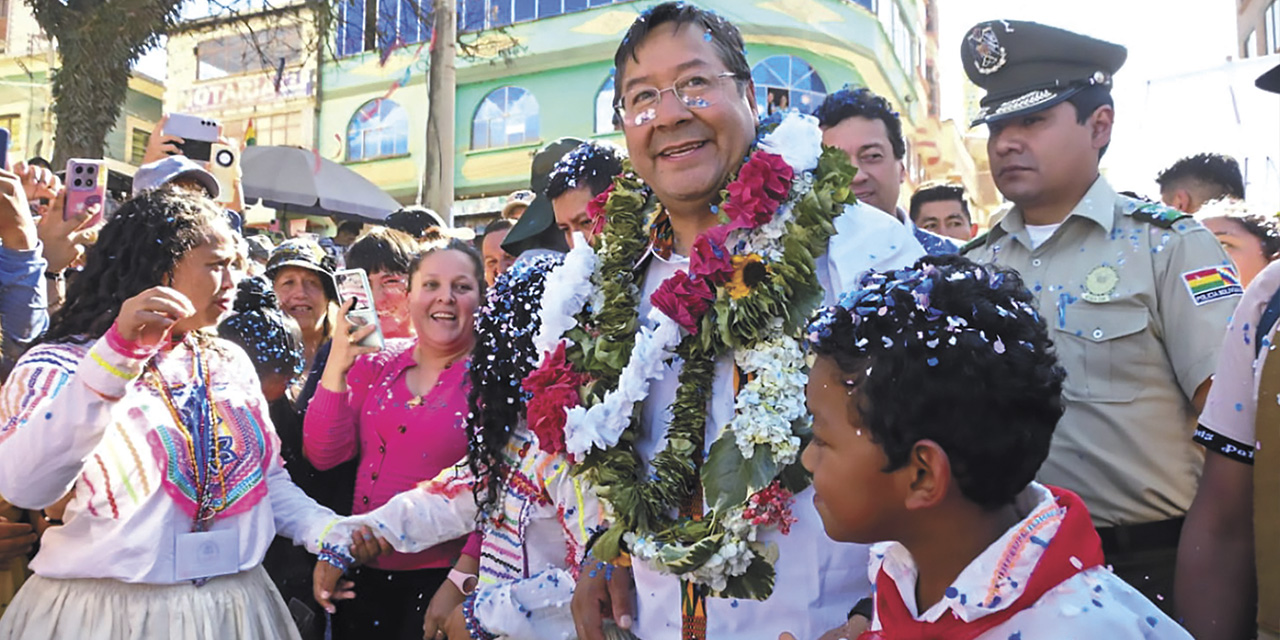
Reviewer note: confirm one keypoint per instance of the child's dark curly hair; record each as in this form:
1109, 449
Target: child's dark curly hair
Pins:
954, 352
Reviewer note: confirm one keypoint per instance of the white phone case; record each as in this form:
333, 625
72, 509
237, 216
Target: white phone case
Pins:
354, 283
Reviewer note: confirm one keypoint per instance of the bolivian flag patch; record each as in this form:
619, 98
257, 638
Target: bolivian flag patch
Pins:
1209, 284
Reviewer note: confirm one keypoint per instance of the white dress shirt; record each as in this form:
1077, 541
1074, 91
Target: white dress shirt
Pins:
818, 580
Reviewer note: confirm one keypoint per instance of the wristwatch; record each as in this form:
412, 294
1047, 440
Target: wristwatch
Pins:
466, 582
54, 275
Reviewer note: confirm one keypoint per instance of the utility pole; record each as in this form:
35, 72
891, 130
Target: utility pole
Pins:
442, 88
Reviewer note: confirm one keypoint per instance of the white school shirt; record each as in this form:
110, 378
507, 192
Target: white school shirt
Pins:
818, 580
80, 418
1093, 603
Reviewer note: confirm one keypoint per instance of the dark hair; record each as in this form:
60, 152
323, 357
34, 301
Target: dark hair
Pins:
451, 245
1265, 228
501, 224
351, 226
416, 221
138, 248
1218, 173
1088, 100
725, 37
939, 192
503, 356
954, 352
593, 164
861, 102
268, 335
382, 249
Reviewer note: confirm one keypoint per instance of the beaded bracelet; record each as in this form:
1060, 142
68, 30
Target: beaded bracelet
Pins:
474, 629
334, 555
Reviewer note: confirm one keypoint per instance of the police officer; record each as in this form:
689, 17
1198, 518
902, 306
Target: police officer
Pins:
1136, 294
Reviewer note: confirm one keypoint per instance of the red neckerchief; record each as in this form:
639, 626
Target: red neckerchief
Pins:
1074, 548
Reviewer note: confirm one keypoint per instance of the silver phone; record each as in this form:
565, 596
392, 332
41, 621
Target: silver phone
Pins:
354, 283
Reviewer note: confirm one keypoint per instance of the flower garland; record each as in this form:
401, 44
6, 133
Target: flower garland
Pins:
750, 287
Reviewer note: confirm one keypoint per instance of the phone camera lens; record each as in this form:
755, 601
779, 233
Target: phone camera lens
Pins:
77, 182
79, 169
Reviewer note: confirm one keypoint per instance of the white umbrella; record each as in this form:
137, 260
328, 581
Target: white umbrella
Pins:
299, 180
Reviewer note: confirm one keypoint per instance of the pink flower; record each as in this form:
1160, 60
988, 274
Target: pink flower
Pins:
684, 300
771, 506
762, 184
711, 260
554, 389
595, 211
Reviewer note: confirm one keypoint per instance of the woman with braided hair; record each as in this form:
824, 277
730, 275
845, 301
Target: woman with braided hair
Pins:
536, 517
160, 431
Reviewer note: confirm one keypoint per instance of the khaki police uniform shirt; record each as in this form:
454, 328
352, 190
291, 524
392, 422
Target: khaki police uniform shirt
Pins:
1137, 313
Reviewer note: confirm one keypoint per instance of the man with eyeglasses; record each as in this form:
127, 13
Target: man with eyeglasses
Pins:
686, 106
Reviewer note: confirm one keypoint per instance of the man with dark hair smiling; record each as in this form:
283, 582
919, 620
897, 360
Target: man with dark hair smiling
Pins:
1136, 294
866, 127
745, 555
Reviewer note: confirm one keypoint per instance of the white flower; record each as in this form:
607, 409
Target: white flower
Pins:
568, 287
798, 140
602, 425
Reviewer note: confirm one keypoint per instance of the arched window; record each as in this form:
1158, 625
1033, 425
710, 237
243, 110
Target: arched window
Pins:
604, 106
379, 129
507, 116
787, 81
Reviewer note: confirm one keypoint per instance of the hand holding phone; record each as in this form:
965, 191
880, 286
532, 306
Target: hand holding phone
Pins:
198, 134
353, 284
86, 187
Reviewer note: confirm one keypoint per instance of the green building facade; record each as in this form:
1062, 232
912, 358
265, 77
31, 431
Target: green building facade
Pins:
521, 84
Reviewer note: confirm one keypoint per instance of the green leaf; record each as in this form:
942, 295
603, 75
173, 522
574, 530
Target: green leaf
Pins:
681, 559
609, 544
728, 478
755, 584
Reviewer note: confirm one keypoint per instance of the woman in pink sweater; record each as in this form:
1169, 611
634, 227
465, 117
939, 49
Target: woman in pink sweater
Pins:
401, 412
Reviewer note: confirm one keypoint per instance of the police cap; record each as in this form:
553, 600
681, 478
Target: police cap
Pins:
1026, 67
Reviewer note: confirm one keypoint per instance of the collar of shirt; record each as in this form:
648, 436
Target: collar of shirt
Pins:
993, 580
404, 360
662, 240
1098, 205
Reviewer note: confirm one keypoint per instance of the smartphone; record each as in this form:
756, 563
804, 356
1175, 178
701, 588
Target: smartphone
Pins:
198, 134
86, 185
4, 148
354, 283
224, 164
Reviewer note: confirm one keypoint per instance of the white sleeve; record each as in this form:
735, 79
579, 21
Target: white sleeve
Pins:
535, 608
53, 414
435, 511
580, 511
867, 238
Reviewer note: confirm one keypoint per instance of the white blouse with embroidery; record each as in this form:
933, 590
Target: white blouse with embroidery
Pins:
532, 550
91, 420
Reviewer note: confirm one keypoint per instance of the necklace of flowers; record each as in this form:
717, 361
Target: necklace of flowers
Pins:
750, 287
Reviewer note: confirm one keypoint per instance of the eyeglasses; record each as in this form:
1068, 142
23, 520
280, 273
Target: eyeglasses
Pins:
640, 106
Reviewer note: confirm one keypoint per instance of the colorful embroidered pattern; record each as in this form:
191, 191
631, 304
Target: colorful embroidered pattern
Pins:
242, 450
1049, 517
1211, 283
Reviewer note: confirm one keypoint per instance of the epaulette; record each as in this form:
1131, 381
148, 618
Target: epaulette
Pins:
1161, 215
978, 241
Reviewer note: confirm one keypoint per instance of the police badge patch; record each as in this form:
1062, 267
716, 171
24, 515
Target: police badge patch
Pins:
988, 54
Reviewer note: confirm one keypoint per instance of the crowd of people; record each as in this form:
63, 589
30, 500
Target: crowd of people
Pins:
718, 384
